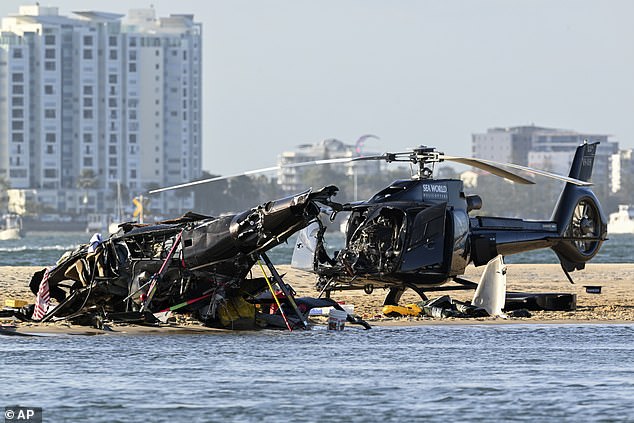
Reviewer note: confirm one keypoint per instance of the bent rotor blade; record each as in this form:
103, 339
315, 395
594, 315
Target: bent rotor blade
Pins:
489, 168
480, 163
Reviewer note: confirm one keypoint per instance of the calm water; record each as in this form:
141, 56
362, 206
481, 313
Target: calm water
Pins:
45, 248
430, 373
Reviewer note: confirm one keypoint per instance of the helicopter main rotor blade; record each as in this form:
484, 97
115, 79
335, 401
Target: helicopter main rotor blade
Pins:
217, 178
481, 163
489, 168
255, 172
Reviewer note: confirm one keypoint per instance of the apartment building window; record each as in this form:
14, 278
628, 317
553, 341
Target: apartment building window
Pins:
17, 173
132, 55
113, 138
17, 125
50, 137
48, 89
49, 53
87, 101
112, 55
50, 173
112, 41
17, 77
49, 40
17, 137
132, 42
132, 67
112, 149
112, 102
113, 114
17, 113
17, 101
87, 40
49, 113
87, 161
112, 162
49, 65
50, 149
87, 114
132, 138
87, 89
87, 54
133, 173
18, 89
132, 114
112, 78
88, 138
17, 53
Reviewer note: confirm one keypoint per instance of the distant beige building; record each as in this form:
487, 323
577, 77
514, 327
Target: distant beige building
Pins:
549, 149
291, 178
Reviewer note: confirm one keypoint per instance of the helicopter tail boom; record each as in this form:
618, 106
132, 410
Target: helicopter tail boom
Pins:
575, 231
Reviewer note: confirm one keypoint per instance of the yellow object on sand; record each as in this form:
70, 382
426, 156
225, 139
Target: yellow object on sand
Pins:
408, 310
237, 313
15, 303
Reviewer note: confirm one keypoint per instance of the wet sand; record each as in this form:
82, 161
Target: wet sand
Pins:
615, 304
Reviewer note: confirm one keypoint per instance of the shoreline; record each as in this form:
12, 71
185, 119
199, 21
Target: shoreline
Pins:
614, 305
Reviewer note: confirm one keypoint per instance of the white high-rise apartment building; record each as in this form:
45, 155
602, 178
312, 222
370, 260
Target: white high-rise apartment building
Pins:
97, 101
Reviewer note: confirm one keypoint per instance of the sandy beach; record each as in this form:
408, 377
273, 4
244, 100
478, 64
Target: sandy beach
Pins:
615, 303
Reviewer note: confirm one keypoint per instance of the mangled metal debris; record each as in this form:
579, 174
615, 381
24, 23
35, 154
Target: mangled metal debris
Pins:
195, 264
441, 307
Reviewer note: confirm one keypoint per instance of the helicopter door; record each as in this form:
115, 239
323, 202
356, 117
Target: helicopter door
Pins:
426, 246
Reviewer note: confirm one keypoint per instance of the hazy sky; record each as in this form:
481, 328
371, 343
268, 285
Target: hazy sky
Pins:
278, 73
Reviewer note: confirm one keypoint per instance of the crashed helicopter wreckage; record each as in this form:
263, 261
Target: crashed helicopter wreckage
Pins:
415, 234
196, 264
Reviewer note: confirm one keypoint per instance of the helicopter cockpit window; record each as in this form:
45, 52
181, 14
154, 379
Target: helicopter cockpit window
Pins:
388, 192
